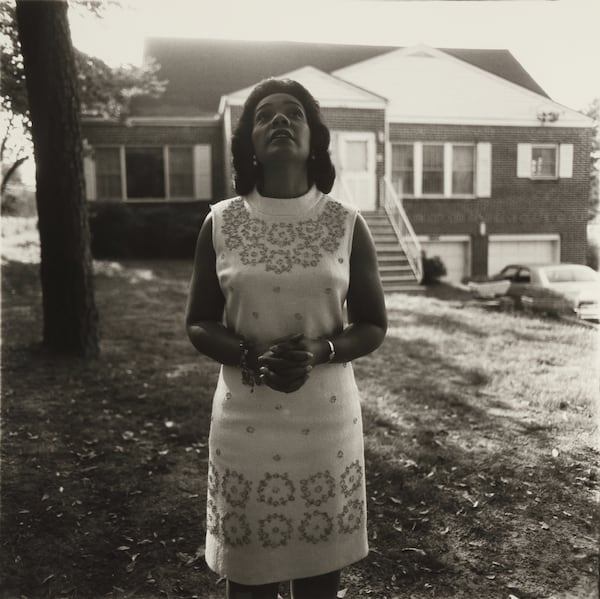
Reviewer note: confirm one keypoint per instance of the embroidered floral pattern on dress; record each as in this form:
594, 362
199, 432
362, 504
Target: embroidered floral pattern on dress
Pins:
213, 480
276, 489
212, 518
236, 530
316, 527
351, 478
281, 246
236, 489
318, 488
351, 516
275, 530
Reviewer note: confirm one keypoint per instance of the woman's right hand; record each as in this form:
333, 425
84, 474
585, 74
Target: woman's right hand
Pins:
283, 366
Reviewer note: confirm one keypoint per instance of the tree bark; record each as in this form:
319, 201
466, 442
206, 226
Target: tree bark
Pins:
69, 308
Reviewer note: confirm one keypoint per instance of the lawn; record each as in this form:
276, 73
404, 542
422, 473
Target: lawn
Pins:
480, 431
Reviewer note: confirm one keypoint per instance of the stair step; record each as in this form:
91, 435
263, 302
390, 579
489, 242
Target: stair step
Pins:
391, 257
408, 289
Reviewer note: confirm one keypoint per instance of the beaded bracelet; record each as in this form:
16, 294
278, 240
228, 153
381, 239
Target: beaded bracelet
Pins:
248, 375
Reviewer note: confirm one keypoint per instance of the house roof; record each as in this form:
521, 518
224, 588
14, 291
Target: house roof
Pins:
331, 91
201, 71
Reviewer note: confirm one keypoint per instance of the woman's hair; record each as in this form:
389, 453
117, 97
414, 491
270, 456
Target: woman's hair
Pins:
320, 169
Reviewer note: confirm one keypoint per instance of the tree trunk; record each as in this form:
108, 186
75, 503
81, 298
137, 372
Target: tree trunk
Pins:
70, 315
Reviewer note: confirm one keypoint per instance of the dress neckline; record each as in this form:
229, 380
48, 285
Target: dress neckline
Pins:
297, 206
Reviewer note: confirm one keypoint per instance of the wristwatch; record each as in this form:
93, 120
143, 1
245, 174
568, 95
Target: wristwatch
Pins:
331, 351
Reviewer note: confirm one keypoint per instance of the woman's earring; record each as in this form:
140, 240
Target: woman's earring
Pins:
254, 161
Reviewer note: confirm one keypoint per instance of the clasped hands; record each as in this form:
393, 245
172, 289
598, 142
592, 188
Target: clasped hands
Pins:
284, 365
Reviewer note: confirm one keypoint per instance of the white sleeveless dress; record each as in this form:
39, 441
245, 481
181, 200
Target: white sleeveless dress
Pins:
286, 485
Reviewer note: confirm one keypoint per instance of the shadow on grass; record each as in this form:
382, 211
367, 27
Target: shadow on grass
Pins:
461, 498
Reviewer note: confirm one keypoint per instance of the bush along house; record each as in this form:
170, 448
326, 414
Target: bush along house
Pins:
453, 153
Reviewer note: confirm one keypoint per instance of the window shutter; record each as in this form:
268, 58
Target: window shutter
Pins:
89, 174
202, 172
483, 180
565, 161
524, 161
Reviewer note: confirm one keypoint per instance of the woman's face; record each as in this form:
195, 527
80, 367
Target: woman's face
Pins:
280, 130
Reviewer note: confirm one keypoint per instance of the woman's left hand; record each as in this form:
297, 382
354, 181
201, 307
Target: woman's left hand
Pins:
286, 365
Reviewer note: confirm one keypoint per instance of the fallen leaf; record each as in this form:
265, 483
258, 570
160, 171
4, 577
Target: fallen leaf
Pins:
395, 500
544, 526
415, 550
342, 593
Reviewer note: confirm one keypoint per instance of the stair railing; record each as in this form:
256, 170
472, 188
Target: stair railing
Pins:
402, 227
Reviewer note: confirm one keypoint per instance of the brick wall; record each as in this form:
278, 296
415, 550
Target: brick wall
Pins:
517, 205
151, 135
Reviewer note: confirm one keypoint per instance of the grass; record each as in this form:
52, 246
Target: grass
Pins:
480, 432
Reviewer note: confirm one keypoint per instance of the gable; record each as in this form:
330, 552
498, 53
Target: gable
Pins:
330, 91
201, 71
424, 84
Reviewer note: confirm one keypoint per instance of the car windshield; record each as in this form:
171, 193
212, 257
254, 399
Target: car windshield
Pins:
570, 275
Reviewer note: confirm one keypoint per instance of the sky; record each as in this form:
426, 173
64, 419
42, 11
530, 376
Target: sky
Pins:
557, 42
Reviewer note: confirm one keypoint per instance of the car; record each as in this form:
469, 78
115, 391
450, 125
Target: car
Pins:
571, 289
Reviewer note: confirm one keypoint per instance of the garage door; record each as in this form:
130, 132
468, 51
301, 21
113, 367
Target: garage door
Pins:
507, 249
454, 252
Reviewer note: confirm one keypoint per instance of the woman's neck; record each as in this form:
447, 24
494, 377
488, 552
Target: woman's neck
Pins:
283, 181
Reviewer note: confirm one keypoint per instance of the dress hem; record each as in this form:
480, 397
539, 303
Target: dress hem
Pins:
331, 567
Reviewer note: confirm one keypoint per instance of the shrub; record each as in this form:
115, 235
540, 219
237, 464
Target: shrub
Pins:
121, 230
433, 270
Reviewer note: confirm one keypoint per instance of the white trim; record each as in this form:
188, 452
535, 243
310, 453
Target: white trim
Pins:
448, 159
167, 172
89, 171
328, 104
170, 121
565, 161
202, 155
499, 122
483, 169
123, 173
418, 168
526, 237
556, 157
227, 166
433, 238
368, 98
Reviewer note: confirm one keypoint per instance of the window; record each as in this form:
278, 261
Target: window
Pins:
543, 161
150, 173
108, 173
436, 169
433, 169
181, 172
403, 168
357, 158
463, 169
145, 173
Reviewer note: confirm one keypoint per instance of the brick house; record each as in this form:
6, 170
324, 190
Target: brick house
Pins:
459, 152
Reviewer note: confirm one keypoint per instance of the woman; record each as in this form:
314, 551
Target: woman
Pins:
273, 269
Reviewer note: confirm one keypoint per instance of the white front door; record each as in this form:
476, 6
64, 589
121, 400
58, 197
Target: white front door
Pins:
353, 154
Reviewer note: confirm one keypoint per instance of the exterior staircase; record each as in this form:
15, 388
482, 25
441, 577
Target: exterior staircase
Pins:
396, 272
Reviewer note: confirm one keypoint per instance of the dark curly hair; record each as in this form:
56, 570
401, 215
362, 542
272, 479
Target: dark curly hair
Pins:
247, 175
